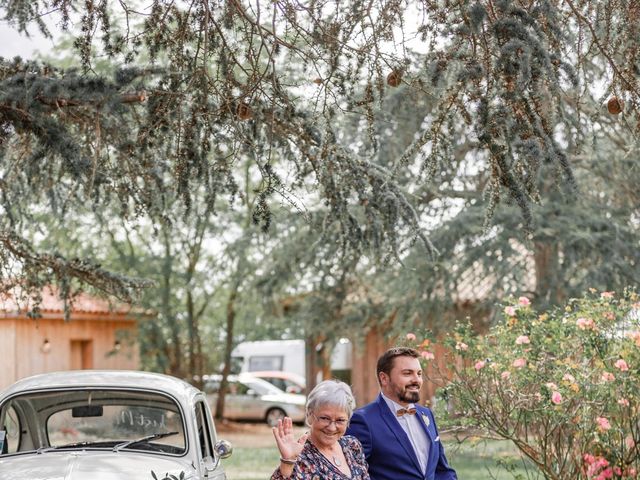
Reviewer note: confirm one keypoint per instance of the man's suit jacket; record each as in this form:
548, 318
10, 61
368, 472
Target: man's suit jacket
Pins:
388, 449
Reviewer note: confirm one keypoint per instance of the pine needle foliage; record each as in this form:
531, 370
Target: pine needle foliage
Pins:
201, 82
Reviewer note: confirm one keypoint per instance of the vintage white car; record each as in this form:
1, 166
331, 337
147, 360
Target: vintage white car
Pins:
107, 425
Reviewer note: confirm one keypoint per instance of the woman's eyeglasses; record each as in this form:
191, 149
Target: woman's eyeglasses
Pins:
326, 421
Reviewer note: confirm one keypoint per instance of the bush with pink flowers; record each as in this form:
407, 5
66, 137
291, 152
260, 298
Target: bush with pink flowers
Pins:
563, 385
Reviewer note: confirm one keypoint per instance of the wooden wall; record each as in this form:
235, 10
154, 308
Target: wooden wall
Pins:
364, 383
8, 352
84, 341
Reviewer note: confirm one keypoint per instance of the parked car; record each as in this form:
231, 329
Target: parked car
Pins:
251, 398
286, 381
107, 425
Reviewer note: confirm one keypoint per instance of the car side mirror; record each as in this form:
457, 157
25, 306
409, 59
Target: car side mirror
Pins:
221, 450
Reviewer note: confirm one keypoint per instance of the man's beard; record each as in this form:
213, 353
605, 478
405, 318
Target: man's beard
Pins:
409, 396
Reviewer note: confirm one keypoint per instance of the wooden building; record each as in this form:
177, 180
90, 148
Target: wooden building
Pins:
97, 336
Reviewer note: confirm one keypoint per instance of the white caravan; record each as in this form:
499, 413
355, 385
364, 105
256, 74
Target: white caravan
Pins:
285, 355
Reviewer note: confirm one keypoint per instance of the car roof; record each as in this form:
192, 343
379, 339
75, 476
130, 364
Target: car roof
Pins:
124, 379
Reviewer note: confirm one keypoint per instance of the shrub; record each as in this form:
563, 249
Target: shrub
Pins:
561, 385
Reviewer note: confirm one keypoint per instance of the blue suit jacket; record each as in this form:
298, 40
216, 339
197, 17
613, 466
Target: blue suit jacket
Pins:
388, 449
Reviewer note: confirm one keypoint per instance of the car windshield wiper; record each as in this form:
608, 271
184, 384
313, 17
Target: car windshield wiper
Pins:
153, 436
67, 445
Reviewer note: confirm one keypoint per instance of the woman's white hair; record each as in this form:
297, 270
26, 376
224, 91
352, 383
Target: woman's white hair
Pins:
331, 392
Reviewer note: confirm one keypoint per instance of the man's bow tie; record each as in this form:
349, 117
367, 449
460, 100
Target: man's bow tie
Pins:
407, 411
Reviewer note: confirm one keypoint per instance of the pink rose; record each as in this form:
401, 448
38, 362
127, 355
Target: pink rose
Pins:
607, 473
589, 459
519, 362
621, 365
629, 442
607, 294
635, 336
479, 365
551, 386
510, 310
411, 337
524, 302
427, 355
624, 402
603, 424
585, 323
505, 375
608, 377
522, 339
556, 398
568, 378
462, 346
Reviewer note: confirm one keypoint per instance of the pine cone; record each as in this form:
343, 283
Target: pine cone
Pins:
244, 112
394, 78
614, 106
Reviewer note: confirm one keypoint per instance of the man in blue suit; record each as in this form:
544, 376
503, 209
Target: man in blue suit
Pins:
399, 436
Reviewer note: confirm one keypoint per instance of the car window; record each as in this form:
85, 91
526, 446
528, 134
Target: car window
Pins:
265, 362
202, 422
238, 388
277, 382
291, 387
101, 418
11, 429
262, 387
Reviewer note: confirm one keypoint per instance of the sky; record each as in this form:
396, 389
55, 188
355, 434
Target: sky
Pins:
14, 44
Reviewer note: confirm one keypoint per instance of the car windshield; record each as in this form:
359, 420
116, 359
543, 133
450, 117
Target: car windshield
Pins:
96, 418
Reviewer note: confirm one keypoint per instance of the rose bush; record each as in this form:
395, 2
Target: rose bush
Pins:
562, 385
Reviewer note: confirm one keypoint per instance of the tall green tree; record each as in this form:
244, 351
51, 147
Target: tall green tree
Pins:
278, 78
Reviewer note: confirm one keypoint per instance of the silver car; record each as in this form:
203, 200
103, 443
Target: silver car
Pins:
107, 425
250, 398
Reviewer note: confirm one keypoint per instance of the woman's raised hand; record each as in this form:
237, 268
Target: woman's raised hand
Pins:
289, 447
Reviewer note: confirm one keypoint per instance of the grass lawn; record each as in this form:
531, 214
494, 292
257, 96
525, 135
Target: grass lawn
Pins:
472, 461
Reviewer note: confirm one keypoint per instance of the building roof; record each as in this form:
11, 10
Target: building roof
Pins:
13, 305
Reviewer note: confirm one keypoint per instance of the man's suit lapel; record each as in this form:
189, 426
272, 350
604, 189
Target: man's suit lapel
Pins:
425, 421
391, 422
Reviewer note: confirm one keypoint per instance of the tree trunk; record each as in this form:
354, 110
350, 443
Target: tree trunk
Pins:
547, 263
175, 362
226, 369
195, 347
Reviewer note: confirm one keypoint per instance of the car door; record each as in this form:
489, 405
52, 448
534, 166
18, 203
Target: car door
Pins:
254, 405
208, 466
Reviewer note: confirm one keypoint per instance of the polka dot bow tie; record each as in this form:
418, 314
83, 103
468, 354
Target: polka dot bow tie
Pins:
406, 411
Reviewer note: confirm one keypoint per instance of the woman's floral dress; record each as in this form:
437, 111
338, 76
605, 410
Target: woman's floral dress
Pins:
312, 465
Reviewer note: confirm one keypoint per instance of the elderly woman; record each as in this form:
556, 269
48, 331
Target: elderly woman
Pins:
323, 452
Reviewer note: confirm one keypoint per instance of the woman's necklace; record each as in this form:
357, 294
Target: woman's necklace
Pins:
336, 460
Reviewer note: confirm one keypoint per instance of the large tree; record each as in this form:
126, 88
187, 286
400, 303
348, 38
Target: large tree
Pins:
200, 82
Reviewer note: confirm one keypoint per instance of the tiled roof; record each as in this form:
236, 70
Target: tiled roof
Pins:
11, 302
